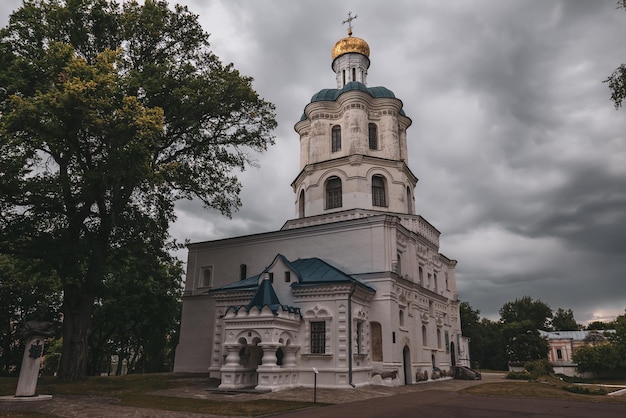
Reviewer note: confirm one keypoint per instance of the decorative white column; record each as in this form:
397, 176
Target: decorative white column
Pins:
232, 357
233, 374
290, 359
269, 355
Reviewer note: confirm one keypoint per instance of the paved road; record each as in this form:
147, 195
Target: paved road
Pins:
445, 404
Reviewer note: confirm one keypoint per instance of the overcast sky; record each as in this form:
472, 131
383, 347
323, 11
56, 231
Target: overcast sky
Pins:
520, 155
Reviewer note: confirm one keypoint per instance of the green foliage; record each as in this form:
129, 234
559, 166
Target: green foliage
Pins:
534, 313
486, 347
563, 320
52, 357
617, 85
588, 359
617, 80
109, 114
586, 390
523, 375
538, 368
598, 325
533, 370
137, 315
24, 286
523, 342
607, 356
522, 319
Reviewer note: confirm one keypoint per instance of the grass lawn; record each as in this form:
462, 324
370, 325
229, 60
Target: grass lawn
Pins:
545, 387
134, 390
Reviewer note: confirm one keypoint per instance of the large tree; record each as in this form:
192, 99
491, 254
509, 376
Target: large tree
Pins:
109, 114
522, 319
535, 312
605, 355
563, 320
137, 313
487, 349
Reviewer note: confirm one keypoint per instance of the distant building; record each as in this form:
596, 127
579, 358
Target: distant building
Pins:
354, 287
563, 344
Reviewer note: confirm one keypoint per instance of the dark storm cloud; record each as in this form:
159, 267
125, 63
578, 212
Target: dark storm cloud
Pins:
520, 154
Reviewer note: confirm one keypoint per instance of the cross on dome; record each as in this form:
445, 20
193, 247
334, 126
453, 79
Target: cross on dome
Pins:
349, 22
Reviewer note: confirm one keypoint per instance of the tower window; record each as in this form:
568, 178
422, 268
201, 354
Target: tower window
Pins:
409, 200
354, 74
333, 193
301, 204
336, 138
243, 271
206, 277
378, 191
373, 136
287, 276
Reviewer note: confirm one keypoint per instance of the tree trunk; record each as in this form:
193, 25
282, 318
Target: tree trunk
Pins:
77, 312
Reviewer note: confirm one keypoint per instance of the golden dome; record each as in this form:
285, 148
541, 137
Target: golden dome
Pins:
351, 44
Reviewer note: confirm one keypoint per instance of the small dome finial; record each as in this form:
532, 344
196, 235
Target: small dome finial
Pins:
349, 22
350, 44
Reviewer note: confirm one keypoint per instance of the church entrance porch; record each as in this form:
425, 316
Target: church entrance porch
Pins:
263, 366
240, 365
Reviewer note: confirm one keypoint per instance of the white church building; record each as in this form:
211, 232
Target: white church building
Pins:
354, 291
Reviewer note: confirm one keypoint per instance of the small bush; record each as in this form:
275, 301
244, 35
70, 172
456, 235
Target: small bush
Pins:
539, 368
586, 390
518, 375
571, 379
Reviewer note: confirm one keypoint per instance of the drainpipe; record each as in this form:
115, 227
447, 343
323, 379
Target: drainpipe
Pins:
350, 354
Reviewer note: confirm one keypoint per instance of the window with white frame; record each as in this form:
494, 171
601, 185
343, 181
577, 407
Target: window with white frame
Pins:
318, 337
378, 191
336, 138
373, 136
333, 193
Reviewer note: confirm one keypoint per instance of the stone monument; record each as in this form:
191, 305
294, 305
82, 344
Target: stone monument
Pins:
34, 333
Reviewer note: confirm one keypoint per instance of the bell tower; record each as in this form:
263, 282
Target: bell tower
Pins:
353, 145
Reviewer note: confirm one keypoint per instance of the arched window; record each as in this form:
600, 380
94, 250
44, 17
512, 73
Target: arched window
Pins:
421, 275
336, 138
424, 336
354, 74
409, 201
398, 268
436, 283
243, 271
378, 191
373, 136
333, 193
377, 341
301, 204
401, 318
344, 78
